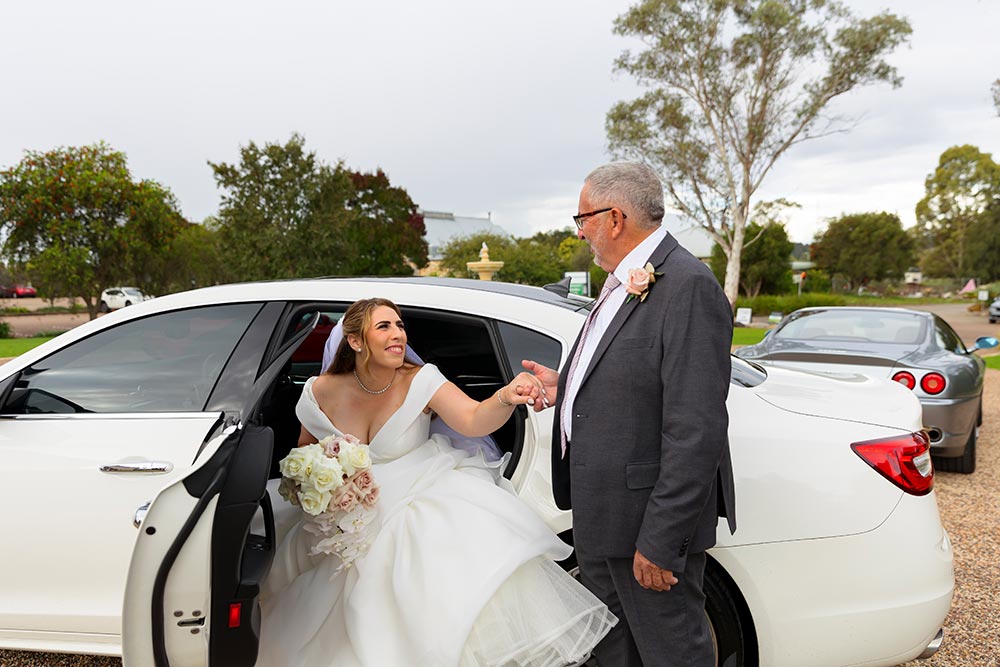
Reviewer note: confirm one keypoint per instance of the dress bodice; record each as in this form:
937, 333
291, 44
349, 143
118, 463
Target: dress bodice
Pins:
405, 430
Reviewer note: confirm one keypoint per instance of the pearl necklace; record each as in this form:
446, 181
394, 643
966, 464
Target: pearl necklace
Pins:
372, 391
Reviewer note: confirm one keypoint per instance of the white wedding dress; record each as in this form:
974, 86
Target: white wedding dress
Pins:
459, 572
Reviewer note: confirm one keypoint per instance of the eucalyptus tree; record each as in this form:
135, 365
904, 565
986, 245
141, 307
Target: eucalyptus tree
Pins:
733, 85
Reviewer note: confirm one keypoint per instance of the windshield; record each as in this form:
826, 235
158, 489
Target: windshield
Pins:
867, 326
132, 290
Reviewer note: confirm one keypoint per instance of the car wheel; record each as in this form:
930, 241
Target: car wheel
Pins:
966, 463
128, 303
104, 307
729, 620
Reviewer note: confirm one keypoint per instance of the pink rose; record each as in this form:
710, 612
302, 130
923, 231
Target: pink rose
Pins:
638, 281
363, 481
332, 448
371, 497
346, 500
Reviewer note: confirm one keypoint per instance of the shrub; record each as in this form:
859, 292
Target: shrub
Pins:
5, 330
765, 304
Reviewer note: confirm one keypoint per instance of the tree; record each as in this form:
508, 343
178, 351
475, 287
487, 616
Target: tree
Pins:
386, 234
766, 267
996, 95
285, 214
75, 218
984, 244
733, 85
964, 183
193, 260
862, 247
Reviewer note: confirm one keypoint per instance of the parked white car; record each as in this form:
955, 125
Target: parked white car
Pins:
114, 298
143, 441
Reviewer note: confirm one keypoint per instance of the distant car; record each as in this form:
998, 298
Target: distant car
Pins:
18, 291
995, 311
114, 298
917, 349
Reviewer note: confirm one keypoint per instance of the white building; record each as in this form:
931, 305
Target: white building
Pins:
442, 227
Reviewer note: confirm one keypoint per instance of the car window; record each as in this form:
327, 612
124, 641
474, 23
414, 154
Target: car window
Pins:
164, 363
522, 343
307, 358
946, 337
866, 326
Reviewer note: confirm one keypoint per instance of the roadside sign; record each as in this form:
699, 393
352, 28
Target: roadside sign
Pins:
984, 295
743, 316
579, 282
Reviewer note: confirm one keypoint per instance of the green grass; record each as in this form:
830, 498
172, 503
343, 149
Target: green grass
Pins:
748, 335
993, 361
12, 347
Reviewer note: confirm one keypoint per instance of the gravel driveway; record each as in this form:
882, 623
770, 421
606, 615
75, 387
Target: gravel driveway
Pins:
970, 509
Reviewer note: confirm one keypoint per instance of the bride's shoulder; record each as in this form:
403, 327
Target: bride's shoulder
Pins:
326, 383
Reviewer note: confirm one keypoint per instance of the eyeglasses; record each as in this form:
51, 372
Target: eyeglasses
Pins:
578, 219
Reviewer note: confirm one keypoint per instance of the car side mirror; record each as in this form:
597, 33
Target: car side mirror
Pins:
986, 342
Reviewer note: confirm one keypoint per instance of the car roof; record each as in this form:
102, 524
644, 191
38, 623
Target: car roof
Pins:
569, 302
866, 309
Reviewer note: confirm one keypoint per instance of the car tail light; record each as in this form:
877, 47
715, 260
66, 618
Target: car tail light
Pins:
906, 379
904, 460
932, 383
234, 614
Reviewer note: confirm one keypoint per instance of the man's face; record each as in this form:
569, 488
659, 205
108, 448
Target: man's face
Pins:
595, 230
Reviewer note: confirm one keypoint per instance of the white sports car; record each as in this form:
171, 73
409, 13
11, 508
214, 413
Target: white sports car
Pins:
137, 449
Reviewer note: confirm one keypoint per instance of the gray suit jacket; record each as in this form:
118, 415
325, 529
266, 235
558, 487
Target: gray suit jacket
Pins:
648, 467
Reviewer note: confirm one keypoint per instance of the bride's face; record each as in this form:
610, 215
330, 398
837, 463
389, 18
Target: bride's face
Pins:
386, 338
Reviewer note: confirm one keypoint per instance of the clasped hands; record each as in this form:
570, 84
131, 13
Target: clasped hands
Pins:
524, 389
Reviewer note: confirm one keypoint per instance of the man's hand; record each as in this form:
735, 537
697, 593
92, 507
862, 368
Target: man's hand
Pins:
550, 383
650, 575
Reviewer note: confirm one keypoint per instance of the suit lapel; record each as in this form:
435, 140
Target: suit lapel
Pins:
659, 256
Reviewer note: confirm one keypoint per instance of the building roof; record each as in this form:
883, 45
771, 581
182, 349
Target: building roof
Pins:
693, 238
443, 227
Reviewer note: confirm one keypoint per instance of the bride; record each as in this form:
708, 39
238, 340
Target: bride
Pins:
460, 572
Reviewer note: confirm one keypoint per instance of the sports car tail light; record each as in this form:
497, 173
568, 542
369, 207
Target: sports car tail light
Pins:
234, 614
932, 383
906, 379
904, 460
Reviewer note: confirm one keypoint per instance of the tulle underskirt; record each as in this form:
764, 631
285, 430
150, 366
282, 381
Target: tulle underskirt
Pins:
539, 617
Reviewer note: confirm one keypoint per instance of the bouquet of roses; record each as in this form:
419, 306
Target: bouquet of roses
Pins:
332, 482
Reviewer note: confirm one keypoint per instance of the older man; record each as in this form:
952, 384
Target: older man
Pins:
640, 449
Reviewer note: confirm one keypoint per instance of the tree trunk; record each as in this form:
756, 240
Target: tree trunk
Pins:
731, 286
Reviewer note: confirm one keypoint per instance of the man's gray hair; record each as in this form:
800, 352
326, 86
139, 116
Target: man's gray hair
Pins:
628, 184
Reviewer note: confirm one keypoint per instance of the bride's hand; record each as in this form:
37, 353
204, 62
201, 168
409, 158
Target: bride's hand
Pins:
524, 389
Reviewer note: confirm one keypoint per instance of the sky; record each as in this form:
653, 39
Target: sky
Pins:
477, 108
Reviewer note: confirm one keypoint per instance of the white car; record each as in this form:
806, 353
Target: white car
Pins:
143, 442
114, 298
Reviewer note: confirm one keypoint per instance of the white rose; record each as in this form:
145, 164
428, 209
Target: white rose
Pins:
314, 502
326, 475
296, 465
359, 458
346, 451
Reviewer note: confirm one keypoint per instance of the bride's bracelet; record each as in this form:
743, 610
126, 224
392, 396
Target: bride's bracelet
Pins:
500, 398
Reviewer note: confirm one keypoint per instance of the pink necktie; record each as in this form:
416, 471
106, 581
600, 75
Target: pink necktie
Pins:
609, 286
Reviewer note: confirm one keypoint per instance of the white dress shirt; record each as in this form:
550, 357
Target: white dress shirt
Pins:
634, 260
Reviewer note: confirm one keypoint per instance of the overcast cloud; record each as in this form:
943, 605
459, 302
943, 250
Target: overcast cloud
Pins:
473, 107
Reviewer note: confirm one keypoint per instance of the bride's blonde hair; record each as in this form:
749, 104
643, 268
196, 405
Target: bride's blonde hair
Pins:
356, 321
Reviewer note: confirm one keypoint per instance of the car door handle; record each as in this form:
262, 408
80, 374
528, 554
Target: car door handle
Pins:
140, 514
149, 467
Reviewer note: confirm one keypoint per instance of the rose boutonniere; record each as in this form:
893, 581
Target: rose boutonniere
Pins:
639, 281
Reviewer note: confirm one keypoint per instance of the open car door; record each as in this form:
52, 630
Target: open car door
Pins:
191, 599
